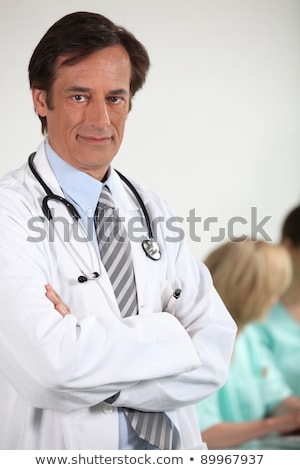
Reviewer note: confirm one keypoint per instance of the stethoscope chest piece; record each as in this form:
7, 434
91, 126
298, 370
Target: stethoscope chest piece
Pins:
151, 249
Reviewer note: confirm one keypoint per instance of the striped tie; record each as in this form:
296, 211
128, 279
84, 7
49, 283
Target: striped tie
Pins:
115, 250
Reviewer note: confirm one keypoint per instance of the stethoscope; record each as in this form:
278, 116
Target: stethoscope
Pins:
149, 245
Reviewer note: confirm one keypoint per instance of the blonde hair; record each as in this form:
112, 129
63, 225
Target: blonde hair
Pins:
249, 275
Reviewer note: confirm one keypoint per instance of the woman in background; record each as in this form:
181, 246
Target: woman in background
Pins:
250, 276
280, 330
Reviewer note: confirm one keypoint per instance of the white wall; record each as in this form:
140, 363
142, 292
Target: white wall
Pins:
216, 127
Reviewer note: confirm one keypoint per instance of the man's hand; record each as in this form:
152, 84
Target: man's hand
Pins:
57, 301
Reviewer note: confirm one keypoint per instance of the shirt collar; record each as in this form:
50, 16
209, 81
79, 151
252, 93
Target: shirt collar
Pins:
81, 188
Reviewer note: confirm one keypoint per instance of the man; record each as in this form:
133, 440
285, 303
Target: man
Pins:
135, 339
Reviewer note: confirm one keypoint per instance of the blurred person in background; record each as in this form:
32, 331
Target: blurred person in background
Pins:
280, 329
250, 276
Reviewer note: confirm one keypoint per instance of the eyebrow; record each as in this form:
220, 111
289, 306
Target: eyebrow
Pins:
80, 89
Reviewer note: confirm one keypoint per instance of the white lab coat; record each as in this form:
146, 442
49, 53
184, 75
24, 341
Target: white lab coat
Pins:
55, 373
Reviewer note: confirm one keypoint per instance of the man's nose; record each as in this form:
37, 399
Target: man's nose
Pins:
98, 114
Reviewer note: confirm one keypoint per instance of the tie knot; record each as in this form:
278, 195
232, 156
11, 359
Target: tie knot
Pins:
105, 199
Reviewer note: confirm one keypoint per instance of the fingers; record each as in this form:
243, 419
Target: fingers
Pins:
51, 294
289, 422
57, 301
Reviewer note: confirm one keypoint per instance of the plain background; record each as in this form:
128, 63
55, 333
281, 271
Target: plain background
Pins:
216, 128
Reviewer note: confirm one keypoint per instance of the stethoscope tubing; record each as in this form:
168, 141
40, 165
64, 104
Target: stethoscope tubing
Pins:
150, 247
140, 201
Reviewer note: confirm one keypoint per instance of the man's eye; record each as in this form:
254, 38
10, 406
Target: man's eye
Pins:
115, 99
79, 98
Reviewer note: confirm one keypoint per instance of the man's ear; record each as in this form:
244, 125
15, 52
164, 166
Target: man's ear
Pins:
39, 101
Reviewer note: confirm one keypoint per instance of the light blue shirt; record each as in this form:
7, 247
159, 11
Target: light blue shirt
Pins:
83, 191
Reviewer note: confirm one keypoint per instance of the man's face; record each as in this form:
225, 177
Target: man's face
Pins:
90, 104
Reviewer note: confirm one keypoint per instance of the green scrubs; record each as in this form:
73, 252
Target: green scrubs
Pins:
280, 333
253, 387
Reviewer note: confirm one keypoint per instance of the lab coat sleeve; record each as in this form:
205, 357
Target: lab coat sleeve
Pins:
65, 364
212, 332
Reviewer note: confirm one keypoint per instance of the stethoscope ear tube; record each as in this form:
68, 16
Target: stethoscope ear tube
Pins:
50, 195
149, 246
45, 208
71, 209
141, 203
37, 176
